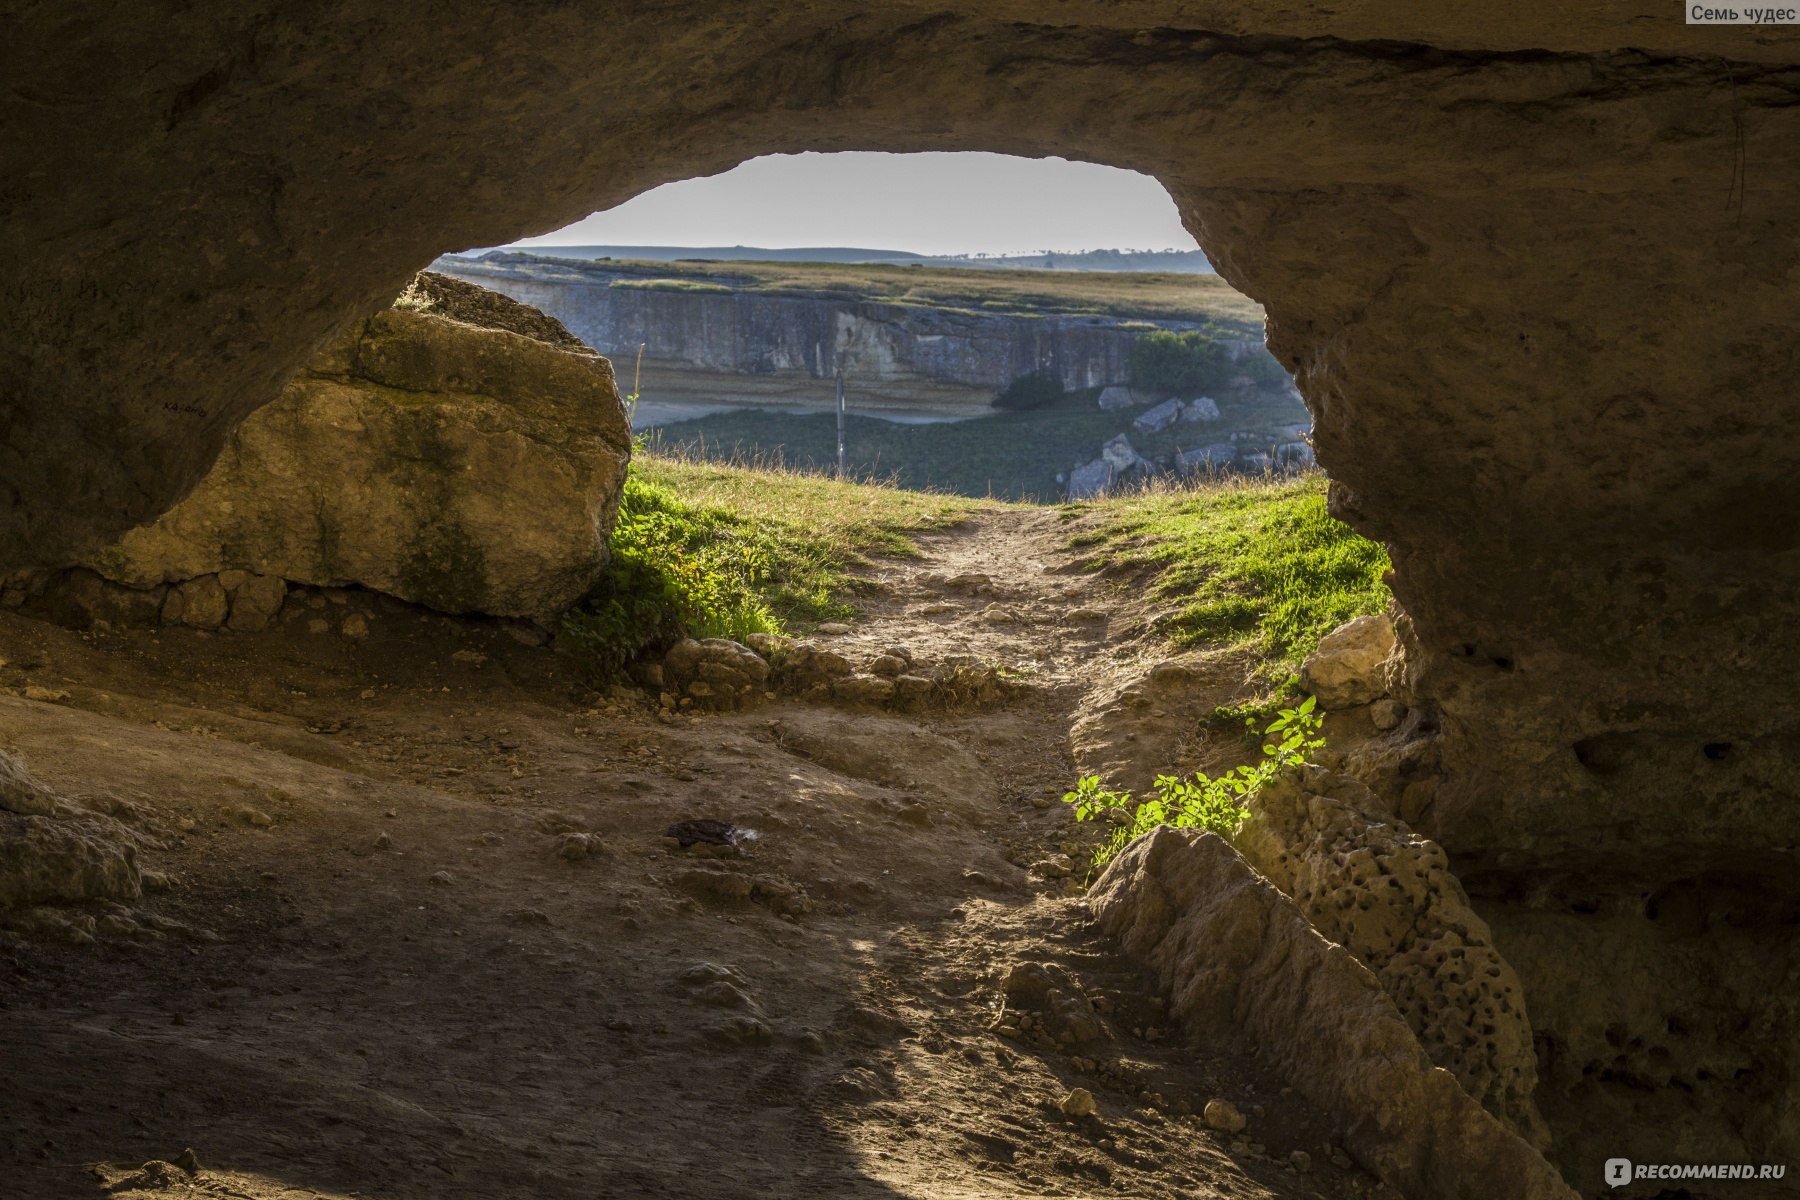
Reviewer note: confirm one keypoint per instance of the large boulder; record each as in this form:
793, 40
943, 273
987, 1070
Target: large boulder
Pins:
1160, 417
1090, 479
1121, 455
1350, 666
468, 469
1242, 963
1119, 396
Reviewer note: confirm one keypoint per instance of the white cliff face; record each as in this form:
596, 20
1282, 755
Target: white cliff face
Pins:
899, 353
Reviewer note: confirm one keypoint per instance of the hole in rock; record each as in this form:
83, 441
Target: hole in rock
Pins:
987, 334
1717, 751
1604, 753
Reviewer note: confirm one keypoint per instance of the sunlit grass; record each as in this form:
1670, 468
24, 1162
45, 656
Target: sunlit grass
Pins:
728, 550
1257, 564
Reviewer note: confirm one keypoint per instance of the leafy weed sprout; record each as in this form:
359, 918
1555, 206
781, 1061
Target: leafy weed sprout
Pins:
637, 379
1200, 802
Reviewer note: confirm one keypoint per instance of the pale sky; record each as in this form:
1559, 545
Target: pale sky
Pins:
924, 203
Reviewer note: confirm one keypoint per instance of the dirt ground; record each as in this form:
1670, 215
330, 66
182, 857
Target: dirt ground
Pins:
383, 962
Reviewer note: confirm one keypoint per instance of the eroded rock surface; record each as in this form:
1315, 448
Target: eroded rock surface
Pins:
52, 852
463, 468
1239, 956
1349, 667
1384, 893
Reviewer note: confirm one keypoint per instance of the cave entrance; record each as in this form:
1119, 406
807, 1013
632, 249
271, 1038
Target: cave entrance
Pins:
983, 324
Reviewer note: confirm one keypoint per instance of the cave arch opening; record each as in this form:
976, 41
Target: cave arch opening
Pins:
1027, 328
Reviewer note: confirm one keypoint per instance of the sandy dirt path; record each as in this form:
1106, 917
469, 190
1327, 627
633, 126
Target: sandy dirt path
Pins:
382, 974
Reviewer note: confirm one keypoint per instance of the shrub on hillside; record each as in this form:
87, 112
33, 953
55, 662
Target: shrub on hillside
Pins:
1040, 389
1188, 362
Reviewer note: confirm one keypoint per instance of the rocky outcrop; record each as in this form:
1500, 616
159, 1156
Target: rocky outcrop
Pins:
1534, 268
53, 852
1239, 959
459, 300
468, 469
1385, 894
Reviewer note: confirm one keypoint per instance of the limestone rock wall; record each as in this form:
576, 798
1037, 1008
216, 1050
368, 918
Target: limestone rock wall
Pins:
1240, 959
1534, 265
1386, 895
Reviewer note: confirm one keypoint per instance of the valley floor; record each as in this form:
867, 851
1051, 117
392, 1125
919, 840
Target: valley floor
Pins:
388, 970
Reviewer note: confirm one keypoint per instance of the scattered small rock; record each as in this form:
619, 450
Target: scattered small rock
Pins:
253, 816
1301, 1161
188, 1161
441, 879
383, 842
707, 831
575, 846
834, 629
1387, 713
1223, 1116
356, 627
1079, 1103
44, 695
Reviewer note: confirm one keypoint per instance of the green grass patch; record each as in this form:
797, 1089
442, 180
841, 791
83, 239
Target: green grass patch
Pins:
1254, 564
708, 550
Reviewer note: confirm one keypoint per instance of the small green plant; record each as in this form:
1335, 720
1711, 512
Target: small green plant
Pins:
631, 401
415, 298
1200, 801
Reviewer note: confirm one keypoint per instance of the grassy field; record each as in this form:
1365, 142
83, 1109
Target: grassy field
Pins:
1171, 296
1005, 455
1253, 563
